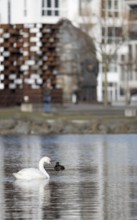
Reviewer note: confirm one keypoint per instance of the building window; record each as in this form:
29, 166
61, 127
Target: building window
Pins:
116, 4
132, 32
110, 8
109, 4
130, 52
133, 12
9, 12
84, 7
50, 7
56, 7
111, 34
25, 8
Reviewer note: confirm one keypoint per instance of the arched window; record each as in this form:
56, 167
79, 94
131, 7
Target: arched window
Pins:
50, 7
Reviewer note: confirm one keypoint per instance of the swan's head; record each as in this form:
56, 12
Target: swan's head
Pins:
46, 160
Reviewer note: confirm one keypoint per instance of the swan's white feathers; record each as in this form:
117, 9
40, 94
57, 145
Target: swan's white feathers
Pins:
33, 173
29, 173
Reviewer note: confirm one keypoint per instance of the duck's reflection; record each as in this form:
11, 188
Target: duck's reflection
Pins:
34, 194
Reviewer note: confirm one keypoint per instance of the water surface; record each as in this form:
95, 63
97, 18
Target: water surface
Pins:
99, 182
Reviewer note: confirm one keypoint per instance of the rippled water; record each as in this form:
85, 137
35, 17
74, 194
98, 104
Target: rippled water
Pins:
99, 182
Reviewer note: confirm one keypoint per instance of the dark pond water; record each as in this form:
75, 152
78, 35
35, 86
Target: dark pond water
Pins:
99, 182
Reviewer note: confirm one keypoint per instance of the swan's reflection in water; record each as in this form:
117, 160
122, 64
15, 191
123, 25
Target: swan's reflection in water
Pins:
35, 186
33, 196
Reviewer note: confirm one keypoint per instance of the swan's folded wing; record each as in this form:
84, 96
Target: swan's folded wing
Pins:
28, 174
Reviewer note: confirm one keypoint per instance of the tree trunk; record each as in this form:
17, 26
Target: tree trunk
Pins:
105, 86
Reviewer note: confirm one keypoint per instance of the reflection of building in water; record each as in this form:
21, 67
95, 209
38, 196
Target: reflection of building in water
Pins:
103, 188
92, 195
31, 147
2, 175
133, 176
85, 168
68, 153
116, 185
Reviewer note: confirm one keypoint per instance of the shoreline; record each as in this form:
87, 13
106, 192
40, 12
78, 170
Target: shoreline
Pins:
51, 124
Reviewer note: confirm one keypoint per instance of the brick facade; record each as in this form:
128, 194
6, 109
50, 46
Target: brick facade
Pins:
28, 58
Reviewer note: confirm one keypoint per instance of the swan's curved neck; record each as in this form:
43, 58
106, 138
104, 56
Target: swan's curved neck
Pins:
41, 168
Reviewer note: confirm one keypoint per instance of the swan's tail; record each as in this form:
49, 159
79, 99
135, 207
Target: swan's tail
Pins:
16, 175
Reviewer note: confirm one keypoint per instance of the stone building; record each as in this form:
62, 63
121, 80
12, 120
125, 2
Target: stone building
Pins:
78, 64
31, 54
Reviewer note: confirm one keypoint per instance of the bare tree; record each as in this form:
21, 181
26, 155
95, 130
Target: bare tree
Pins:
108, 29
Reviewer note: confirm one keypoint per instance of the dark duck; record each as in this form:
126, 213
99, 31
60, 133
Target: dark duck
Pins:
59, 167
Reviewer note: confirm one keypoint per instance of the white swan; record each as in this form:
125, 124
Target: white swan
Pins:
33, 173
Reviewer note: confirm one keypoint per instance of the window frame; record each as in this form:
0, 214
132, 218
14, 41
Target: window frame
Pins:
50, 8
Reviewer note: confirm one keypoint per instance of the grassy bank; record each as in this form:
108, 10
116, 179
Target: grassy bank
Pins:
15, 112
